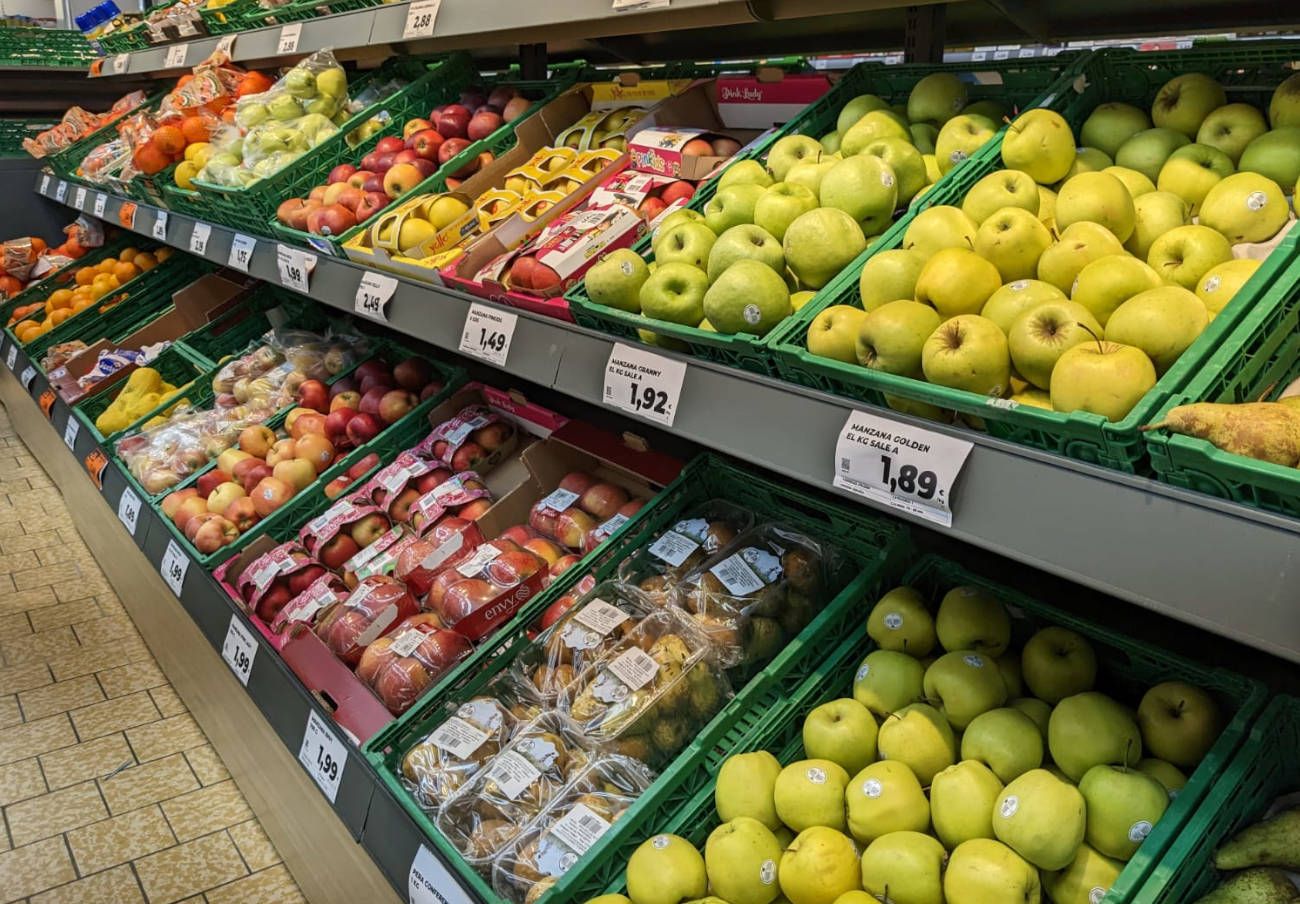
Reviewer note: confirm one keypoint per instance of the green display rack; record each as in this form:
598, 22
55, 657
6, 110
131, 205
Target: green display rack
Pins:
14, 131
175, 367
44, 47
872, 552
1019, 82
1249, 72
60, 278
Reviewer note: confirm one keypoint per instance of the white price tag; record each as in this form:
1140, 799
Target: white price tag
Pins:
241, 252
61, 193
513, 773
160, 225
128, 510
26, 377
373, 295
673, 548
101, 201
45, 184
459, 738
79, 199
627, 6
239, 649
11, 357
643, 383
429, 882
323, 755
227, 44
174, 565
902, 466
199, 238
71, 431
634, 667
421, 19
176, 56
288, 43
580, 828
120, 63
488, 333
186, 28
295, 268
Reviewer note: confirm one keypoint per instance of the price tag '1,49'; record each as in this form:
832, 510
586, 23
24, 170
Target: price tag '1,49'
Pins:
643, 383
421, 19
295, 268
289, 35
241, 251
902, 466
199, 238
128, 510
239, 649
373, 294
323, 755
487, 334
101, 201
174, 565
160, 225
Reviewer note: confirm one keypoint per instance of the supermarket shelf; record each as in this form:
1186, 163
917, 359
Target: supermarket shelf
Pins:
1195, 554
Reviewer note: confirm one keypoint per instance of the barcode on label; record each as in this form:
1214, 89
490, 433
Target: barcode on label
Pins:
406, 643
736, 575
459, 738
600, 616
481, 557
580, 828
844, 465
513, 773
634, 667
673, 548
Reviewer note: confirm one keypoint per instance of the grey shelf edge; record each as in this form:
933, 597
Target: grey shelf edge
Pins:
1220, 566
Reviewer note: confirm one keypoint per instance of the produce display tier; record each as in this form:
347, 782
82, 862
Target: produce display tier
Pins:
1177, 552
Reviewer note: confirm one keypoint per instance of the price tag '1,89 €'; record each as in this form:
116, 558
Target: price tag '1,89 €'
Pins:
902, 466
487, 334
643, 383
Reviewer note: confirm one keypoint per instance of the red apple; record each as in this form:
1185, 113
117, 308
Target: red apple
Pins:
337, 550
572, 525
396, 404
281, 451
334, 219
383, 163
337, 487
547, 550
317, 194
400, 179
521, 272
369, 529
425, 168
412, 373
725, 147
515, 108
676, 191
193, 524
214, 534
312, 394
603, 500
517, 533
405, 155
368, 162
697, 147
468, 457
307, 424
450, 148
651, 208
358, 470
293, 212
336, 424
172, 501
372, 203
631, 507
389, 144
473, 97
545, 279
555, 610
277, 596
371, 398
358, 179
341, 173
563, 564
269, 495
502, 95
400, 508
414, 126
253, 475
349, 399
350, 198
493, 436
373, 369
430, 389
210, 480
466, 597
481, 125
301, 580
453, 121
299, 473
242, 514
316, 449
363, 428
374, 185
426, 143
190, 507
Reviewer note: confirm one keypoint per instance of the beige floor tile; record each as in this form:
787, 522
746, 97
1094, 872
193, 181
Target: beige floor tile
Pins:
36, 867
270, 886
114, 715
95, 659
22, 542
168, 701
192, 867
43, 646
207, 810
24, 677
78, 587
120, 839
158, 739
44, 576
115, 886
102, 630
20, 780
89, 759
16, 625
18, 561
256, 849
140, 786
60, 697
207, 765
34, 738
54, 813
66, 614
127, 679
9, 712
55, 555
24, 600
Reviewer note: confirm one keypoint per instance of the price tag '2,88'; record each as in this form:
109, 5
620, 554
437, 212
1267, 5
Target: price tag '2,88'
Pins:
487, 334
421, 19
643, 383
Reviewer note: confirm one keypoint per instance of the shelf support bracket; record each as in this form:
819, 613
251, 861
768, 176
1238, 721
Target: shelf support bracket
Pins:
532, 61
923, 42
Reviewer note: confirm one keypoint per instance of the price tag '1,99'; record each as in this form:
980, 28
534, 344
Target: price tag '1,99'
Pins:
487, 334
902, 466
643, 383
373, 294
174, 565
239, 649
421, 19
295, 268
323, 755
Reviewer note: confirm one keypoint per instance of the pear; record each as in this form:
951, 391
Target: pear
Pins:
1254, 886
1267, 431
1273, 842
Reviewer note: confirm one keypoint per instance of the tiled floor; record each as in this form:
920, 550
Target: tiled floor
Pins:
110, 793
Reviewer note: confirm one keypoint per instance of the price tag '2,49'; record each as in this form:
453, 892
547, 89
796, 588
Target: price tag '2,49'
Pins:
902, 466
487, 334
643, 383
373, 294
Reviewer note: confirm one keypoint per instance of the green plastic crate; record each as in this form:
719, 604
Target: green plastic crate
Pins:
1264, 769
13, 131
872, 550
311, 8
126, 40
228, 18
62, 278
66, 161
176, 368
44, 47
253, 208
1248, 71
1013, 82
1257, 362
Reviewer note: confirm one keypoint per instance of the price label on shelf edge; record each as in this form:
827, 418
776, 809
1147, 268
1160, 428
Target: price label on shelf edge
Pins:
430, 882
289, 35
70, 431
11, 356
61, 193
120, 63
904, 467
101, 201
323, 755
643, 383
241, 251
176, 56
26, 377
160, 225
295, 268
239, 649
79, 199
173, 567
487, 334
45, 184
199, 239
227, 44
128, 510
630, 6
373, 294
421, 19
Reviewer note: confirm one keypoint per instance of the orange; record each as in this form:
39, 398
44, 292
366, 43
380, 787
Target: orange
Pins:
145, 261
149, 158
57, 317
85, 276
169, 139
106, 265
82, 305
60, 298
38, 245
24, 331
125, 272
127, 254
195, 129
162, 254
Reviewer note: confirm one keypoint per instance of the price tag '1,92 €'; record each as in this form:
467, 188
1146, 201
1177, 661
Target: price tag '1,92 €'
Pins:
488, 333
902, 466
421, 19
323, 755
640, 382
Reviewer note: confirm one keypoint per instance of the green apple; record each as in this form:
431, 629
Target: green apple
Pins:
686, 243
732, 206
615, 281
1042, 818
1222, 282
1147, 151
964, 684
924, 135
1109, 125
609, 899
821, 243
1155, 213
834, 333
904, 867
1123, 805
799, 299
872, 127
1191, 171
1103, 378
830, 143
971, 618
809, 174
983, 871
666, 869
938, 228
857, 108
919, 737
811, 793
960, 138
988, 108
1161, 322
818, 866
1058, 663
1245, 207
675, 293
968, 352
936, 98
1184, 102
842, 731
749, 297
781, 204
745, 787
745, 172
885, 797
1039, 142
1078, 245
740, 859
1047, 207
1170, 777
932, 172
1085, 881
1012, 240
887, 681
1284, 106
1000, 189
745, 242
1105, 284
790, 150
865, 188
673, 220
1136, 183
1037, 710
888, 276
285, 108
961, 802
1180, 722
1004, 739
900, 621
1096, 198
1015, 298
1034, 397
957, 281
892, 337
1276, 155
1231, 128
1091, 729
1086, 160
906, 162
1009, 664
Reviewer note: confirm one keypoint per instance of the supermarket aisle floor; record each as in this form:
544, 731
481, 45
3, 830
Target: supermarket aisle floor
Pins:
109, 791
